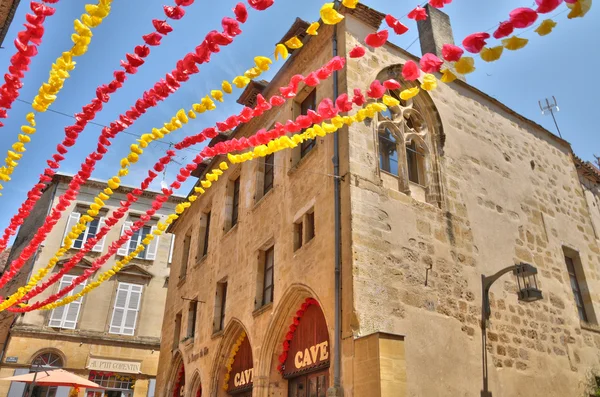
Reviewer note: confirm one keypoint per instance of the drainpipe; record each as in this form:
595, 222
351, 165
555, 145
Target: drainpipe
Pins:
336, 390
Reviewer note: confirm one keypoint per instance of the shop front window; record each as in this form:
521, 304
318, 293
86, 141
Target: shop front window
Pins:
115, 385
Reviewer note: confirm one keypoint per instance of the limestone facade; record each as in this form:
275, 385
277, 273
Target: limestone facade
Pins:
481, 188
102, 337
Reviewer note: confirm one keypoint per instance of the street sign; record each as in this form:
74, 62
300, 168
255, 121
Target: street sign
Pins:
12, 360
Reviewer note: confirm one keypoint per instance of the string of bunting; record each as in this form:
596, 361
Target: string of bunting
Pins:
326, 109
161, 90
292, 330
229, 364
59, 72
103, 93
245, 116
26, 43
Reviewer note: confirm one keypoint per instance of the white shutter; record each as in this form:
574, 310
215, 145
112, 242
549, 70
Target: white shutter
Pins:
72, 221
67, 316
123, 251
152, 248
127, 304
17, 388
72, 309
171, 248
133, 306
100, 244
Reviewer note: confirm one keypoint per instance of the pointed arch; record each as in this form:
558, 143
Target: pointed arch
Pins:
232, 331
195, 388
271, 347
416, 117
177, 366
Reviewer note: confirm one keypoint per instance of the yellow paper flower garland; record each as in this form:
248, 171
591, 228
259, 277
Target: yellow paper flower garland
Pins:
59, 72
229, 365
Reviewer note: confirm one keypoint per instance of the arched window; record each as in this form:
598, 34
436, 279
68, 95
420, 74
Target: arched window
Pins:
405, 145
44, 362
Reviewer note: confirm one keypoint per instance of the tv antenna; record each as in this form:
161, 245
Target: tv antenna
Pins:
551, 107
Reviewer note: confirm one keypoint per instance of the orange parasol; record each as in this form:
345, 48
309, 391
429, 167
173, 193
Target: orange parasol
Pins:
56, 377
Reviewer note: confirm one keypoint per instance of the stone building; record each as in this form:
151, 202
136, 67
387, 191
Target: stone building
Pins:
111, 335
7, 13
435, 193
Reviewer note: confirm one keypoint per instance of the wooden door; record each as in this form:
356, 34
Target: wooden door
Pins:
311, 385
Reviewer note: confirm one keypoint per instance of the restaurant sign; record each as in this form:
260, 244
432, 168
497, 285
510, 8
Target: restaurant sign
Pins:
101, 364
241, 369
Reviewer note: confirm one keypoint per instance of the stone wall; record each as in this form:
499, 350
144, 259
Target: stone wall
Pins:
510, 193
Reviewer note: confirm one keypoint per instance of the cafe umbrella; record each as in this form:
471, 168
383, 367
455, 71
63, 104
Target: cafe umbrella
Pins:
56, 377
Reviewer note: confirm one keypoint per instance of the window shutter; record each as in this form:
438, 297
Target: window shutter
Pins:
72, 221
72, 309
133, 306
100, 244
171, 248
58, 314
152, 248
123, 250
116, 324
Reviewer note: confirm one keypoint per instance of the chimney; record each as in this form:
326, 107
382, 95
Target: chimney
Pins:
435, 31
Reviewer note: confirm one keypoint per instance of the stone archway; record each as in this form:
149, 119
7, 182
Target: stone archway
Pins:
176, 385
231, 334
195, 386
271, 346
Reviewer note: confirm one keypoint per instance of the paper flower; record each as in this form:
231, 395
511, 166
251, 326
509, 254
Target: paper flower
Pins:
578, 8
504, 30
514, 43
418, 14
523, 17
431, 63
329, 14
546, 6
350, 3
281, 51
465, 65
376, 90
390, 101
429, 82
357, 52
377, 39
313, 29
475, 42
447, 76
260, 5
262, 63
439, 3
241, 13
398, 27
409, 93
391, 84
491, 54
452, 53
410, 71
174, 12
294, 43
162, 27
545, 27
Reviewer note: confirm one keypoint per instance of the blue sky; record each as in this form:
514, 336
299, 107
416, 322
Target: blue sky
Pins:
559, 64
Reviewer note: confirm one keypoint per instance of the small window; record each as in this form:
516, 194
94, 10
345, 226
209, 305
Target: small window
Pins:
388, 151
415, 159
136, 240
191, 329
232, 204
265, 277
203, 236
177, 331
236, 202
90, 231
149, 253
309, 103
304, 229
66, 316
220, 305
579, 287
269, 173
185, 255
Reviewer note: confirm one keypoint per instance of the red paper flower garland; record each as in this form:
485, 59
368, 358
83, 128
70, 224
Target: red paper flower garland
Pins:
26, 44
87, 114
246, 115
292, 329
159, 92
178, 382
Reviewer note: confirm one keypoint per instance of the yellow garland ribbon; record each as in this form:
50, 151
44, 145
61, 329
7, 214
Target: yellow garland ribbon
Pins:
59, 72
136, 150
260, 151
229, 364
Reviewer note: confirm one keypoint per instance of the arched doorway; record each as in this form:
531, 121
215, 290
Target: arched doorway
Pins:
238, 379
45, 362
179, 382
305, 358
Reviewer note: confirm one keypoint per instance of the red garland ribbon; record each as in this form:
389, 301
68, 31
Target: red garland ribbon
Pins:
19, 62
292, 330
326, 109
72, 132
160, 91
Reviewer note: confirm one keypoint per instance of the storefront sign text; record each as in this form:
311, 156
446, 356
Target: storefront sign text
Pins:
312, 355
242, 378
128, 367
